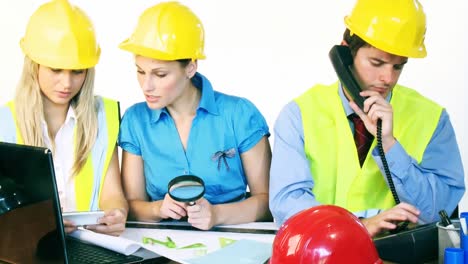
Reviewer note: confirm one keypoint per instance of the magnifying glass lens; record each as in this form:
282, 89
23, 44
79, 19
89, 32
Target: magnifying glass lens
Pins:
188, 191
186, 188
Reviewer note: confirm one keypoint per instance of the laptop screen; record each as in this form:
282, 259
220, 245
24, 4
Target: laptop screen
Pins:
29, 207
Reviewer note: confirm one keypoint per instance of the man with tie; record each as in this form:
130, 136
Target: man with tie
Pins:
325, 149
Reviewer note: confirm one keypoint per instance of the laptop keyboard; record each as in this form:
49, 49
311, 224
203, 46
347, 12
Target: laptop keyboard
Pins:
79, 252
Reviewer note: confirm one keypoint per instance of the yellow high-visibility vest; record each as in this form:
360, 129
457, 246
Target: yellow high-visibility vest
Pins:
329, 145
90, 180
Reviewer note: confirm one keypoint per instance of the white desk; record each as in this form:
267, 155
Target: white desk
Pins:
258, 234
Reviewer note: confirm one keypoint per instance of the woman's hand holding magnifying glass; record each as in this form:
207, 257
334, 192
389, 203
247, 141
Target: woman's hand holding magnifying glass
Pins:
202, 215
172, 209
188, 191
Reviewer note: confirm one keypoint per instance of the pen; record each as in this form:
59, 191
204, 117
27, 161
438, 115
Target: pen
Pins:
451, 231
445, 220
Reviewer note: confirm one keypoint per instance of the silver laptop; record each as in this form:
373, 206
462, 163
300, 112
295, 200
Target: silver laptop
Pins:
31, 227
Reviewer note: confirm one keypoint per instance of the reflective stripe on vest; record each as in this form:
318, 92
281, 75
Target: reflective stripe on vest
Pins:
329, 146
89, 181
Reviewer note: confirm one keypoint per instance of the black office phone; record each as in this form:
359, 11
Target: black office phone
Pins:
342, 62
418, 244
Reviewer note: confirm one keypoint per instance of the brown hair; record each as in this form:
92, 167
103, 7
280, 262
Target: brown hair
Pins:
354, 42
184, 62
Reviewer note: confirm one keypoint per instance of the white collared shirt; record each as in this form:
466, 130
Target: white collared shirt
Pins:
63, 160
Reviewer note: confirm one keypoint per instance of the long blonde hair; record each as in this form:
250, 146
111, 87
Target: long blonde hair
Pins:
30, 113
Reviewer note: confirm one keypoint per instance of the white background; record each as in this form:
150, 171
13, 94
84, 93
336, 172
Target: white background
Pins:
268, 51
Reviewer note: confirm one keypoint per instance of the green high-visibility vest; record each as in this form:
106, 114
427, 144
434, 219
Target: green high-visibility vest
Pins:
329, 145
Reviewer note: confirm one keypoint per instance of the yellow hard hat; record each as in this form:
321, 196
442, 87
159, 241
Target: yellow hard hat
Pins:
395, 26
167, 31
61, 36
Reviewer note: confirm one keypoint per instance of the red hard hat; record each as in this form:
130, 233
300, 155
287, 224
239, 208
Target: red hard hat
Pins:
324, 234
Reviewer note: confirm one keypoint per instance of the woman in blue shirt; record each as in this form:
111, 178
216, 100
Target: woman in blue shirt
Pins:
185, 127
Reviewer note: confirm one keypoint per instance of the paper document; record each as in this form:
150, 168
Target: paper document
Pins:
185, 246
243, 251
118, 244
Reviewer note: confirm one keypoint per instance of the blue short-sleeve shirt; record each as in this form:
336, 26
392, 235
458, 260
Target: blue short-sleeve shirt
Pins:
223, 123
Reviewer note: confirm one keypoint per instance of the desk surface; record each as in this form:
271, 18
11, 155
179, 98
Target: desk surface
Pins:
265, 232
254, 239
259, 231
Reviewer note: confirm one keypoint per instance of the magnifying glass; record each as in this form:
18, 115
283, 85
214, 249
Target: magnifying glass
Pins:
186, 188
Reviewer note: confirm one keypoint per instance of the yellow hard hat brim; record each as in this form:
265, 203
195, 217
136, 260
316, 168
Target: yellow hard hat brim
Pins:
136, 49
61, 62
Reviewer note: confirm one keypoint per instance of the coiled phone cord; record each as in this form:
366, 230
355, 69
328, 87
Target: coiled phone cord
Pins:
403, 225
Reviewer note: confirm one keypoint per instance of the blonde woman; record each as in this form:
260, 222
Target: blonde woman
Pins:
55, 107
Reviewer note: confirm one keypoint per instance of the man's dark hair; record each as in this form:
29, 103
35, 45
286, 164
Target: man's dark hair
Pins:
354, 42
